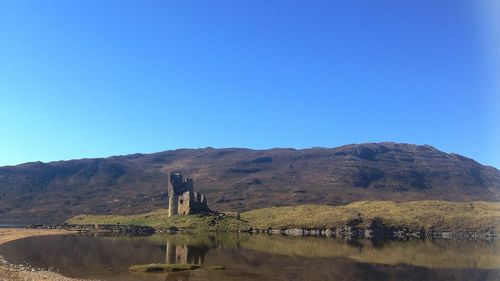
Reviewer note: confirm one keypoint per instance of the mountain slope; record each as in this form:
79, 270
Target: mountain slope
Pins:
242, 179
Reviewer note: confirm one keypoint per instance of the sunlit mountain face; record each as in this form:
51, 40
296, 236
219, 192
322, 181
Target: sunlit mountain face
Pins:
236, 179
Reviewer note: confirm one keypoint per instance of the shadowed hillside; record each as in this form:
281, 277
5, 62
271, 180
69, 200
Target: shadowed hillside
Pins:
242, 179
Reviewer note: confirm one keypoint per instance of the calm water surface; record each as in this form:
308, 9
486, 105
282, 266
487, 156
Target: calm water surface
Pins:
259, 257
3, 225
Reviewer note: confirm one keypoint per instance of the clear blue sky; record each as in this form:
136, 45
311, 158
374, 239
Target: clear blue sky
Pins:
98, 78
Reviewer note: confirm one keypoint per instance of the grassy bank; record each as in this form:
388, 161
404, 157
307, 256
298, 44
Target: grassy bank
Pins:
440, 215
159, 218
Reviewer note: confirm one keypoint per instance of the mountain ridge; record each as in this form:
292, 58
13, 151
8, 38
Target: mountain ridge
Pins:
139, 154
243, 179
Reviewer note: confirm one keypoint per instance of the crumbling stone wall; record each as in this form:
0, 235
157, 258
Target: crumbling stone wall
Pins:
182, 199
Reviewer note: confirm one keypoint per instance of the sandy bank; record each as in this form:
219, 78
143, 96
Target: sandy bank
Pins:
10, 234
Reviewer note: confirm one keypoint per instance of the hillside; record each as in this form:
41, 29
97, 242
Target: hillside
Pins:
242, 179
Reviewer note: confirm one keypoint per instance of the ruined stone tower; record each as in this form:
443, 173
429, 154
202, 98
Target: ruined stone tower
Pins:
182, 199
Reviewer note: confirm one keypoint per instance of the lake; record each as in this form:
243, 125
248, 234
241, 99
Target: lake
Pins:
11, 225
259, 257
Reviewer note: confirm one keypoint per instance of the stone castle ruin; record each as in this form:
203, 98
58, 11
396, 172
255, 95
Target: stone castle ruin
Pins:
182, 199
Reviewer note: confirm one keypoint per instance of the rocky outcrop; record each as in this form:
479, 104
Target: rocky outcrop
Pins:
114, 229
167, 230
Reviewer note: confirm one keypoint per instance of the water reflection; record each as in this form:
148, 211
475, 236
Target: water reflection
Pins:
424, 253
181, 253
259, 257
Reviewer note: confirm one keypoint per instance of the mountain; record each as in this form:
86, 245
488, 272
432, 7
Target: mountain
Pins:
242, 179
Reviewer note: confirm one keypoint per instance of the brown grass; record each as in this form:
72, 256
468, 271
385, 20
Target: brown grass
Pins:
431, 214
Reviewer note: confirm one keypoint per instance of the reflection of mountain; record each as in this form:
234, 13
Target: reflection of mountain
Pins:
424, 253
84, 256
429, 254
258, 257
76, 255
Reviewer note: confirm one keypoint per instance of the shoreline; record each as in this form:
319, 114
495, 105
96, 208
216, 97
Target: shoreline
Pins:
13, 272
10, 234
355, 229
361, 219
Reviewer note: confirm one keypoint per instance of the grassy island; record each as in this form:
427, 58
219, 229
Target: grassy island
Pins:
162, 267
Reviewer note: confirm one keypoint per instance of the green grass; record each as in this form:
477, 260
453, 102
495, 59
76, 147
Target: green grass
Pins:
162, 267
431, 214
159, 218
155, 219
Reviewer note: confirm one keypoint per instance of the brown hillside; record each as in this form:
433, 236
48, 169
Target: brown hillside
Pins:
242, 179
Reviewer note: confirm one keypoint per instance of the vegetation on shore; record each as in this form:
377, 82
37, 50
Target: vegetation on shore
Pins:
430, 214
160, 219
156, 218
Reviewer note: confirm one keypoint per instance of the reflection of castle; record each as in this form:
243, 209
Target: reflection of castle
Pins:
179, 276
185, 254
182, 199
